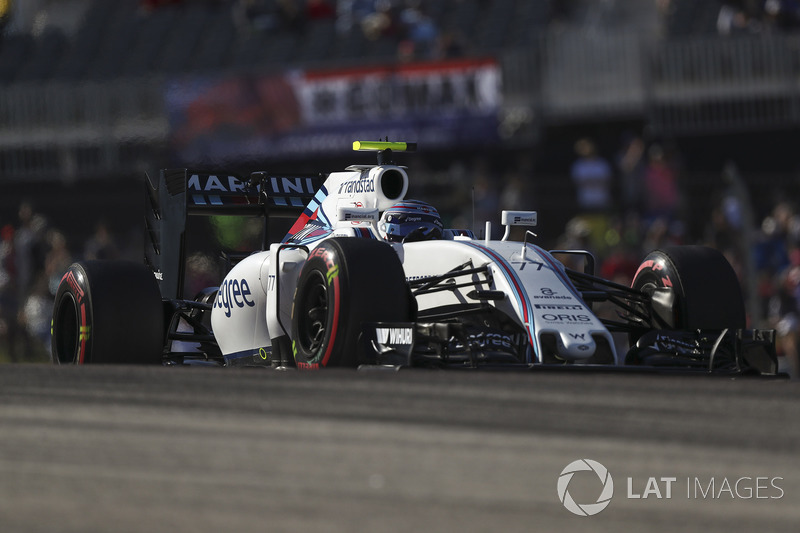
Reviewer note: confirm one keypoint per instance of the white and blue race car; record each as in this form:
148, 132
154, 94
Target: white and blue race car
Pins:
368, 277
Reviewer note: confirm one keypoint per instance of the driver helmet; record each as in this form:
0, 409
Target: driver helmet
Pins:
410, 220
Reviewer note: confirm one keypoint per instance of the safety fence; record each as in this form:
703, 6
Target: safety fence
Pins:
79, 130
678, 87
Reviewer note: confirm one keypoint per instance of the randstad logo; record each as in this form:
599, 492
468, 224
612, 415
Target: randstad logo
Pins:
585, 509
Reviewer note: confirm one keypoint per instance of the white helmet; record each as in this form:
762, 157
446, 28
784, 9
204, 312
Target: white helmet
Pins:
410, 220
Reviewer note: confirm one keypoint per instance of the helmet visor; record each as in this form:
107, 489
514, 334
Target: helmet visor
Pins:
397, 226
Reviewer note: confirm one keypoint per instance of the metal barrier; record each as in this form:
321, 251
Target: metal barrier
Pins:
725, 84
61, 129
693, 85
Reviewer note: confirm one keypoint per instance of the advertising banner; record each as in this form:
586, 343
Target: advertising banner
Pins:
320, 112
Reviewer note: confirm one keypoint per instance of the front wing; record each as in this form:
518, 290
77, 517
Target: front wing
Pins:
456, 345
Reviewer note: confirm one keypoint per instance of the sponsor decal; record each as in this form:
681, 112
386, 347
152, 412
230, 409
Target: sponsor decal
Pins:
358, 213
552, 317
301, 185
559, 307
357, 186
673, 344
281, 185
201, 182
547, 293
403, 336
487, 339
413, 278
234, 293
518, 218
358, 216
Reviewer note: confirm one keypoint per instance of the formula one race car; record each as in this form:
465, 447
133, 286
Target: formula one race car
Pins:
367, 277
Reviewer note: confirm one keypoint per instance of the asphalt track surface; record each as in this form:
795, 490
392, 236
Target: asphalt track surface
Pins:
85, 449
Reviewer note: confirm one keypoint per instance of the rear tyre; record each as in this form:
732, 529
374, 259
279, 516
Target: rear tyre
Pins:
705, 292
107, 312
344, 283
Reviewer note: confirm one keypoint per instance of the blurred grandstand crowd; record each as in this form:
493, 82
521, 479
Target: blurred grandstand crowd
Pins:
618, 195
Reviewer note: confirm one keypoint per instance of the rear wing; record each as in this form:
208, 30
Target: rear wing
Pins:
178, 193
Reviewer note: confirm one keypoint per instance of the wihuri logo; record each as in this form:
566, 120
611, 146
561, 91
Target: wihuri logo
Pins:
585, 509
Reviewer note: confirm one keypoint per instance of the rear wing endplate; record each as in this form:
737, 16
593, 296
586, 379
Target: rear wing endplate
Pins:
178, 193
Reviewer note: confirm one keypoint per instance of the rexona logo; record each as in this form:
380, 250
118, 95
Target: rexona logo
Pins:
233, 293
605, 481
394, 335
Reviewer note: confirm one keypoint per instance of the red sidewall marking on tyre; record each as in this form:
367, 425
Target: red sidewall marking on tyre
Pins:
335, 324
647, 264
654, 267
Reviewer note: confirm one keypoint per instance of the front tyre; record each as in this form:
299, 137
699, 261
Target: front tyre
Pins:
107, 312
692, 287
344, 283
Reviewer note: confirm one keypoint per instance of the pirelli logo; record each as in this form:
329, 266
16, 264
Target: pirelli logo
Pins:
394, 335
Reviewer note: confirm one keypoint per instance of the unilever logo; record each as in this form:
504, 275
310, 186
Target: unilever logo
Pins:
585, 509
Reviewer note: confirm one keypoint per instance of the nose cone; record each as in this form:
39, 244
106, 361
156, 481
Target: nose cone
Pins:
576, 346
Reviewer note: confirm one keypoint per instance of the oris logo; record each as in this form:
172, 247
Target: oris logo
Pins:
552, 317
606, 492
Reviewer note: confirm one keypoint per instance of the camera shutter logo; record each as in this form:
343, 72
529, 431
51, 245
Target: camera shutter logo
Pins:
585, 509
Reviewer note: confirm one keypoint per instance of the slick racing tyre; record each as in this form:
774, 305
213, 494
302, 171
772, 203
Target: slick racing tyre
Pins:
705, 292
107, 312
344, 283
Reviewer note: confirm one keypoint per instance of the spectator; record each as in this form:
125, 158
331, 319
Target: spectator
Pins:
28, 248
486, 198
381, 22
630, 164
290, 14
100, 245
6, 8
350, 13
320, 10
449, 45
772, 248
150, 5
256, 16
57, 260
8, 293
592, 176
732, 20
661, 195
784, 315
420, 29
35, 318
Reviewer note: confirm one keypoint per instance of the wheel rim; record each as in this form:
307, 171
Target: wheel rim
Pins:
313, 313
66, 341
